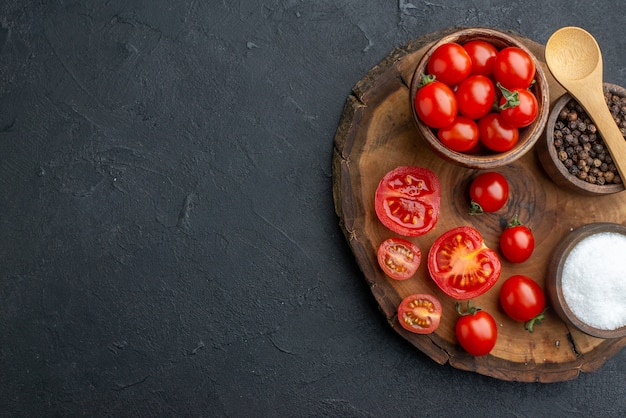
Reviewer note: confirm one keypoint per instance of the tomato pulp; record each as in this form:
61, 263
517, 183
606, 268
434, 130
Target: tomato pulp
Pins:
399, 258
408, 199
462, 265
420, 313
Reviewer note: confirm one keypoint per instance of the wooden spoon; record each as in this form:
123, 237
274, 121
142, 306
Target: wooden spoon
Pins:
574, 59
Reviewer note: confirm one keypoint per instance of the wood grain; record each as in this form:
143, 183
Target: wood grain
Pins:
376, 134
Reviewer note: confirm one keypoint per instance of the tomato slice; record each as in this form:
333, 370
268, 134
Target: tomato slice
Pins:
420, 313
408, 199
399, 258
462, 265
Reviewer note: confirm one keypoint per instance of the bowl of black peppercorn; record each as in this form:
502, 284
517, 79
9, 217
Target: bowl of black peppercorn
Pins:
572, 151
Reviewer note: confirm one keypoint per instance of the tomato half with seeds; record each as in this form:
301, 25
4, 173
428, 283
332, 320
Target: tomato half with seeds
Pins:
462, 265
408, 200
399, 258
420, 313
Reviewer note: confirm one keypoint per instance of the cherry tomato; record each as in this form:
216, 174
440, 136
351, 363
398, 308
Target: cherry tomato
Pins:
461, 135
475, 96
514, 68
495, 134
476, 330
449, 63
518, 108
399, 258
435, 104
408, 199
517, 242
522, 299
462, 265
489, 191
483, 55
420, 313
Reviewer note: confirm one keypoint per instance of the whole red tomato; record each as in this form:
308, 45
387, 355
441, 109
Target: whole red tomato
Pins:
435, 103
399, 258
476, 330
517, 242
495, 134
420, 313
488, 192
514, 68
522, 299
483, 55
449, 63
475, 96
461, 135
518, 108
408, 199
462, 265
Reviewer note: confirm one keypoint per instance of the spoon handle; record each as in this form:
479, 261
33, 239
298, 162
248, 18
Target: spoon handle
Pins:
609, 130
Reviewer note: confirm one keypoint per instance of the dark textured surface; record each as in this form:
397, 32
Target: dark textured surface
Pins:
169, 246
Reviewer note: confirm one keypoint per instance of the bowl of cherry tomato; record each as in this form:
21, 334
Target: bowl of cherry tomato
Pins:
479, 98
573, 153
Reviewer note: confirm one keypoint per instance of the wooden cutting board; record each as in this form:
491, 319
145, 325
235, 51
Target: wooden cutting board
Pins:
375, 135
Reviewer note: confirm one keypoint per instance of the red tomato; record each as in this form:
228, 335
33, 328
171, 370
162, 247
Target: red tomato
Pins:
420, 313
518, 108
495, 134
408, 199
461, 135
483, 55
489, 191
399, 258
514, 68
449, 63
475, 96
522, 299
476, 330
517, 242
462, 265
435, 104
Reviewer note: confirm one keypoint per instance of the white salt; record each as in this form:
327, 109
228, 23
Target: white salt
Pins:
594, 280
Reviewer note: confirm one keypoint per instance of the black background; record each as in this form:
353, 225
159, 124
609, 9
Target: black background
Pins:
168, 242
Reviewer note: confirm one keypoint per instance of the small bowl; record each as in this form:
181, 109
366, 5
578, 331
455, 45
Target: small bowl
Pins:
528, 136
555, 169
554, 279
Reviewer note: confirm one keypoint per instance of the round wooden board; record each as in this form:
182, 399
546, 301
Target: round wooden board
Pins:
376, 134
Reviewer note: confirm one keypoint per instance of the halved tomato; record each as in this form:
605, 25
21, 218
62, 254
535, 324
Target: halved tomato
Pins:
420, 313
408, 199
399, 258
462, 265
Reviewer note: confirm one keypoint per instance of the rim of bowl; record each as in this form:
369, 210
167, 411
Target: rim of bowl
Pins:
535, 130
549, 143
555, 271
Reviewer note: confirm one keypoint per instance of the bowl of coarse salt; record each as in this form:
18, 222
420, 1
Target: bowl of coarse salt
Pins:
586, 282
